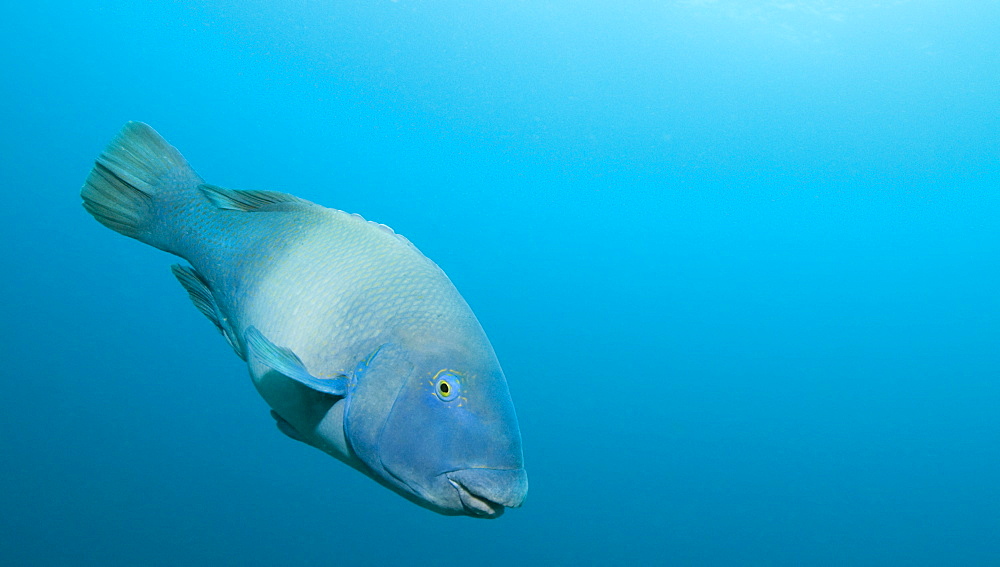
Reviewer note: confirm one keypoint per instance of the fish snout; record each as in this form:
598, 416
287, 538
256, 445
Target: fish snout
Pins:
487, 492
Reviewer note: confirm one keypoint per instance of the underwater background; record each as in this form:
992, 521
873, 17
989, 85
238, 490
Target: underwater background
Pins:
739, 261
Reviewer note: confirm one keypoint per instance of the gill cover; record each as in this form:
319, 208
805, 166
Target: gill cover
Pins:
374, 386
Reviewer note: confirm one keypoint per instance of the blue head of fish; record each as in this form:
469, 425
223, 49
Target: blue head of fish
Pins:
441, 431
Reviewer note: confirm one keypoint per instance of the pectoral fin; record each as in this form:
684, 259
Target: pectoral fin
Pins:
285, 362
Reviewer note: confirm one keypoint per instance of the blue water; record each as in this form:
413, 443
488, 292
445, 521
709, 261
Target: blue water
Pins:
739, 261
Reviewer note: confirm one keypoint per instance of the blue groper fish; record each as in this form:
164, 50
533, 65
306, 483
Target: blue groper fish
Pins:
361, 346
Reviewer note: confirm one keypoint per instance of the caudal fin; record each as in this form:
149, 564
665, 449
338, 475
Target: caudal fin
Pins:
135, 182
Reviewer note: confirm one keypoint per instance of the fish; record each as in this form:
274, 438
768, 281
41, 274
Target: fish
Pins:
360, 345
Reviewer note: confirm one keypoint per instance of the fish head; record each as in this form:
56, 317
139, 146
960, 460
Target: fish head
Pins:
450, 440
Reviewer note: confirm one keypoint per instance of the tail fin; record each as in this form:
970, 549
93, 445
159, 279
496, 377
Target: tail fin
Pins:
136, 176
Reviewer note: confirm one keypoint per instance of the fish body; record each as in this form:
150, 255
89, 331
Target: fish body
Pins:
360, 344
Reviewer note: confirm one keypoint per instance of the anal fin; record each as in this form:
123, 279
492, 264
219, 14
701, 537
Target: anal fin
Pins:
201, 295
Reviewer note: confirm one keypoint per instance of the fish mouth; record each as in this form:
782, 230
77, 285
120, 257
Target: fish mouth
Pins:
477, 505
487, 493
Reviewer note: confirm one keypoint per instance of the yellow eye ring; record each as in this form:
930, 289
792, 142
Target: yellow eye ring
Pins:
446, 386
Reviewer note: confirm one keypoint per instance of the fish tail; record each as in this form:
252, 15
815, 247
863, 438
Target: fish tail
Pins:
139, 185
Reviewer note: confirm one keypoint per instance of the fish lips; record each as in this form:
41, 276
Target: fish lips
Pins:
486, 493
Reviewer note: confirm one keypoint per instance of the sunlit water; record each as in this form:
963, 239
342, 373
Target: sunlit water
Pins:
739, 262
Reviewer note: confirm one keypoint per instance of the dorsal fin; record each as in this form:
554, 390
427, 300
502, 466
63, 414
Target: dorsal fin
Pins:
201, 296
248, 201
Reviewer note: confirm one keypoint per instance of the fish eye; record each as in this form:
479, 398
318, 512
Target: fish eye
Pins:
446, 386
